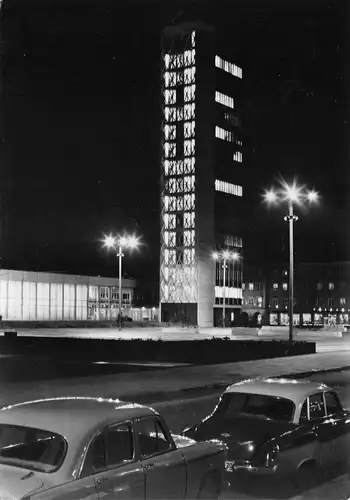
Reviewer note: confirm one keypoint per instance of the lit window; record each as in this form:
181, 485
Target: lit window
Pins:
104, 292
259, 301
319, 286
250, 301
189, 75
169, 149
251, 286
275, 303
227, 187
189, 92
189, 165
224, 99
285, 303
330, 286
189, 128
189, 111
193, 38
189, 147
170, 132
228, 67
189, 256
342, 301
223, 134
189, 219
189, 57
189, 238
169, 221
285, 286
170, 96
237, 156
275, 286
243, 286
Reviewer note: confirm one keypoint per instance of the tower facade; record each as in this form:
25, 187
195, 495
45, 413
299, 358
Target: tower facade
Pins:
201, 188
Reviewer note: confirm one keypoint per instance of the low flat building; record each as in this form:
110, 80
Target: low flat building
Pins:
37, 296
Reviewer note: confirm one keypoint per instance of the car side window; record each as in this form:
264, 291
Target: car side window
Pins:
119, 444
316, 406
152, 438
332, 404
95, 458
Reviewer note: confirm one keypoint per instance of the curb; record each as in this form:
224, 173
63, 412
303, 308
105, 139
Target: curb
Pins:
202, 391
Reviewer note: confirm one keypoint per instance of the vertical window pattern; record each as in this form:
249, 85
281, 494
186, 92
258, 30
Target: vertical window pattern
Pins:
178, 258
223, 134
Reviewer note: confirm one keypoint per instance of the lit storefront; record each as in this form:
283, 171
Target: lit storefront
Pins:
31, 296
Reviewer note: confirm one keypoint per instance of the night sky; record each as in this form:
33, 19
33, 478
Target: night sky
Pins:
81, 116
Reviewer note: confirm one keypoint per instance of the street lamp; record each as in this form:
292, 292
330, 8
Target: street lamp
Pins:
224, 256
292, 194
120, 243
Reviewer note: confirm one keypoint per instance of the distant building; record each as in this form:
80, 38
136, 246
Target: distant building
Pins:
321, 295
201, 176
36, 296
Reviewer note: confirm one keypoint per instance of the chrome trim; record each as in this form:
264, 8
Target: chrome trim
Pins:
232, 466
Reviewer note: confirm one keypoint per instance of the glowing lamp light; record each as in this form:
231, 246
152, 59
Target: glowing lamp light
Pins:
235, 256
312, 196
226, 254
215, 255
293, 193
270, 196
109, 241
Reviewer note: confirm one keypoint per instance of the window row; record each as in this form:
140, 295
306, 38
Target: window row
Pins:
185, 220
174, 61
233, 241
237, 156
179, 203
229, 67
174, 114
175, 78
188, 130
232, 120
186, 257
180, 184
284, 286
224, 99
254, 301
223, 134
174, 239
251, 286
189, 95
227, 187
320, 301
179, 167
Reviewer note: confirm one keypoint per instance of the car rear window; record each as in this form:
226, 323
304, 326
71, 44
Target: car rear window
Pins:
31, 448
273, 407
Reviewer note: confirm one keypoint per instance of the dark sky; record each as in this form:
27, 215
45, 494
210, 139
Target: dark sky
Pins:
81, 124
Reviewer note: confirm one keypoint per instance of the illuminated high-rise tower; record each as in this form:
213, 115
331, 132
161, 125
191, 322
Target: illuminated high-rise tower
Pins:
201, 177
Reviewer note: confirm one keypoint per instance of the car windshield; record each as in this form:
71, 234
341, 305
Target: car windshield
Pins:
273, 407
31, 448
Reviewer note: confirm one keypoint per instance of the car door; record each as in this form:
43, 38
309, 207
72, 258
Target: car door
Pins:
164, 465
111, 460
323, 427
341, 427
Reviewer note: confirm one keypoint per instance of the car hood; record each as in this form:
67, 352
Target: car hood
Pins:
243, 434
16, 482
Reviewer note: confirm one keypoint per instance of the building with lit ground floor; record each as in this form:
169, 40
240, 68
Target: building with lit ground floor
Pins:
321, 294
201, 177
37, 296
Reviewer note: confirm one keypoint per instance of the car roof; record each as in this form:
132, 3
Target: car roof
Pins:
295, 390
72, 417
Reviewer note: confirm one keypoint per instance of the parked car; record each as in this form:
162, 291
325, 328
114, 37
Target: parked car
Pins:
89, 448
279, 427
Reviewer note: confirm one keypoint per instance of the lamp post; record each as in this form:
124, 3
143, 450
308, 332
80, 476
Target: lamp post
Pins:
293, 195
224, 256
120, 243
